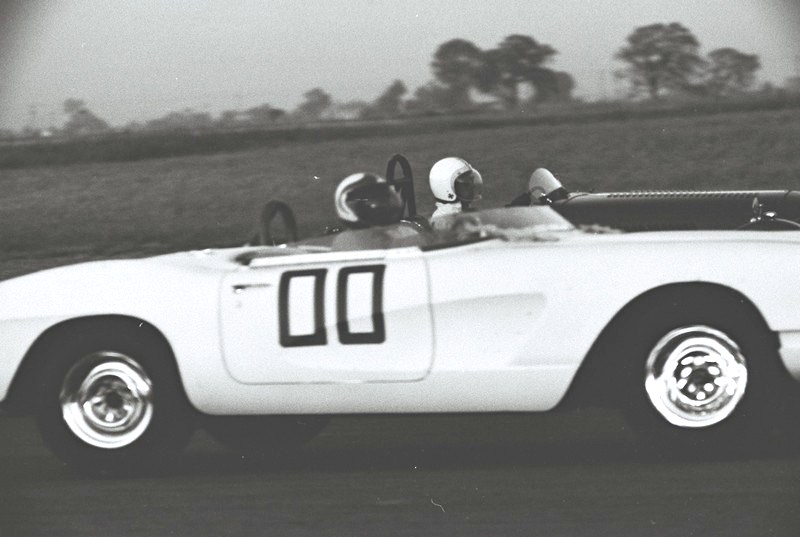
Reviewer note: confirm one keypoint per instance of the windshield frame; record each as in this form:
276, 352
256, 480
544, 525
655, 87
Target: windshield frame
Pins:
452, 231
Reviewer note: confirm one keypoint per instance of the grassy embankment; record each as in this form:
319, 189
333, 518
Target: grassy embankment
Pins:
56, 214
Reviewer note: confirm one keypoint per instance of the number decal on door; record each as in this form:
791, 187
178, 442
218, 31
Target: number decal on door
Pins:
378, 333
318, 336
312, 282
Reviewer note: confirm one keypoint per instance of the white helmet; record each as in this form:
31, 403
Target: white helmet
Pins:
452, 179
367, 199
545, 188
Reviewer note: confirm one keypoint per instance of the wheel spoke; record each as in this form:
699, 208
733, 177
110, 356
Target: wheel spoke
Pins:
695, 376
117, 400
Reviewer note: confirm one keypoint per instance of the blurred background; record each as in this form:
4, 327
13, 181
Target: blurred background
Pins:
142, 127
130, 128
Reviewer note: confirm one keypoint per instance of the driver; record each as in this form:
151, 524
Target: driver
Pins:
455, 184
366, 199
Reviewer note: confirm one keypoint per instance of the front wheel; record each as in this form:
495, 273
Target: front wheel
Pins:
107, 400
110, 402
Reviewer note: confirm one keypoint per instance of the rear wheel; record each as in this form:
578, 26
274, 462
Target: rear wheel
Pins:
110, 402
701, 376
695, 376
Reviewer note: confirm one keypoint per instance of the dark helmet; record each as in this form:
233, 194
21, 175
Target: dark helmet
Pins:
366, 199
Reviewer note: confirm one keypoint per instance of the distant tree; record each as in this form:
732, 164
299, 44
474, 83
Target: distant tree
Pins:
390, 102
661, 58
264, 114
133, 126
730, 71
71, 106
317, 101
81, 120
553, 86
230, 118
768, 89
791, 85
517, 60
30, 132
277, 114
432, 97
347, 110
187, 119
489, 78
565, 84
456, 64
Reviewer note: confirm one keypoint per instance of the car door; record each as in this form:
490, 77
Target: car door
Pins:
360, 316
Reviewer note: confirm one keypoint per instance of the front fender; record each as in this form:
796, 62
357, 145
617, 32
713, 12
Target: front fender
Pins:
181, 300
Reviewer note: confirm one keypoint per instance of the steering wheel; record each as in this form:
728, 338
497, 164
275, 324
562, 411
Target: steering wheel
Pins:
404, 184
272, 210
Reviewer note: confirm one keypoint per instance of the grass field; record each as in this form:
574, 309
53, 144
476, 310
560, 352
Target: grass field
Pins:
52, 215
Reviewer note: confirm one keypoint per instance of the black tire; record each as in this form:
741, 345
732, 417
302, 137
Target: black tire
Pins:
263, 436
686, 339
130, 376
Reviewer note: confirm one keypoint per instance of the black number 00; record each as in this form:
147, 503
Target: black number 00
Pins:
319, 336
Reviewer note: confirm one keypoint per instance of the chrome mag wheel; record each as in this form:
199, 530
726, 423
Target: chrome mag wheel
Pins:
107, 400
695, 376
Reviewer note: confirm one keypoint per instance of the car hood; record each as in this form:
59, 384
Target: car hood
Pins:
660, 237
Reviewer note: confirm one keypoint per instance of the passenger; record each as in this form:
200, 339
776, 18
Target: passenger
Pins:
455, 185
543, 189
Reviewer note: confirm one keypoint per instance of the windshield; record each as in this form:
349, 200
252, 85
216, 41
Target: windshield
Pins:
514, 223
539, 217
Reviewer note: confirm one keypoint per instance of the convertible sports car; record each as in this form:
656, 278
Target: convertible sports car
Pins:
696, 336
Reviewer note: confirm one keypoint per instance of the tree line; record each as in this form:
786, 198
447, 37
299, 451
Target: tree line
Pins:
664, 59
659, 61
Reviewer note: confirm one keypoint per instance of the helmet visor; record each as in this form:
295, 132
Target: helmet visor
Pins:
377, 204
468, 186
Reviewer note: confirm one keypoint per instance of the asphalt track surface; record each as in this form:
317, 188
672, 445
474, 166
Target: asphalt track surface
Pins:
579, 474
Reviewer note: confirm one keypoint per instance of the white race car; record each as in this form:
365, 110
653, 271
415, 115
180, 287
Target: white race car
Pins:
695, 335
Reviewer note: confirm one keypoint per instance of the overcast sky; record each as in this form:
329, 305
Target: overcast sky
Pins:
140, 59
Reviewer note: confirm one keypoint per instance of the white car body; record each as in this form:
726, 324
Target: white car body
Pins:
494, 325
